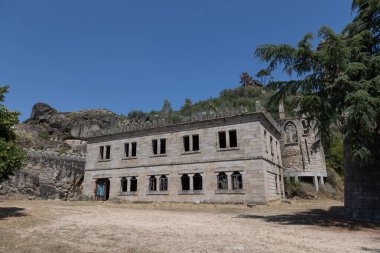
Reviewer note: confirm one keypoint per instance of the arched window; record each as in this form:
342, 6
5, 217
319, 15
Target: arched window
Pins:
163, 183
265, 141
133, 183
197, 182
222, 181
185, 182
124, 184
291, 133
237, 180
152, 183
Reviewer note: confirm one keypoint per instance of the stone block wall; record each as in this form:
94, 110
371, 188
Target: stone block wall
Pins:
48, 175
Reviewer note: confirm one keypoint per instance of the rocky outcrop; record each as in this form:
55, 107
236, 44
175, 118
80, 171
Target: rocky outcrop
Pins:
48, 175
72, 125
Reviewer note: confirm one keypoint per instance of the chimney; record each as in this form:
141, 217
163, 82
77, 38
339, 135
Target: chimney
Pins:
281, 110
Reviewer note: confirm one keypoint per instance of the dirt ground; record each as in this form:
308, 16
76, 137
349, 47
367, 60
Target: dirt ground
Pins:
298, 226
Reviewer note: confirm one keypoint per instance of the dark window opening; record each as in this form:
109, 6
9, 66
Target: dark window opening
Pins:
126, 149
133, 183
233, 138
163, 146
305, 127
134, 149
291, 133
152, 183
185, 182
186, 143
101, 152
237, 181
154, 146
222, 181
271, 145
108, 152
163, 183
195, 142
197, 182
222, 139
124, 185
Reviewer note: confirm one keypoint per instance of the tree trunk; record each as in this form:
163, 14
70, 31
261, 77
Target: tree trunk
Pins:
361, 188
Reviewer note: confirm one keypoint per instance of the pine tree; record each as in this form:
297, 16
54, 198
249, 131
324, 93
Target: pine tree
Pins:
339, 83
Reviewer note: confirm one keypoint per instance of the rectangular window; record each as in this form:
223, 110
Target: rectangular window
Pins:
233, 138
126, 149
108, 152
186, 143
134, 149
195, 142
162, 146
101, 152
222, 139
271, 145
154, 146
133, 183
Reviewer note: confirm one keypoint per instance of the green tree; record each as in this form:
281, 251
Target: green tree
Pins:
186, 109
338, 83
12, 156
167, 107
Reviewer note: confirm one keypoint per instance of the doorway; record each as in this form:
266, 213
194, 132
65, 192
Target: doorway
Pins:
102, 189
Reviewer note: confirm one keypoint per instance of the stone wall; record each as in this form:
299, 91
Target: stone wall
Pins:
361, 188
48, 175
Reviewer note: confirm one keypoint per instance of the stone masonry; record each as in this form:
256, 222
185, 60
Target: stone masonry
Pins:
244, 169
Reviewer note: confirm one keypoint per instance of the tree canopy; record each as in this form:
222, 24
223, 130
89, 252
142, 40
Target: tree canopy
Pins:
338, 82
11, 154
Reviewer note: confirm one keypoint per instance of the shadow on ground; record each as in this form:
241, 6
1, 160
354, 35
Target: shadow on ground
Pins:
333, 217
6, 212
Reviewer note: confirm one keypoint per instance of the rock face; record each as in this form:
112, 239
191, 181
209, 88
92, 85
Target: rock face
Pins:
48, 175
72, 125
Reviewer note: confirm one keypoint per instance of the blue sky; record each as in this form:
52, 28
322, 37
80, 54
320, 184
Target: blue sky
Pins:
127, 55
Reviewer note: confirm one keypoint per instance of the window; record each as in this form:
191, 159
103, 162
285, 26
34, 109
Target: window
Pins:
222, 181
155, 146
271, 145
105, 152
134, 149
108, 152
163, 183
163, 146
185, 182
126, 149
187, 145
291, 133
133, 183
237, 181
152, 183
222, 139
124, 184
265, 141
195, 142
232, 135
101, 152
305, 127
233, 138
197, 182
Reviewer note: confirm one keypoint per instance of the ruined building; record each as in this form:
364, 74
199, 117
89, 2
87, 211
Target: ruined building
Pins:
230, 157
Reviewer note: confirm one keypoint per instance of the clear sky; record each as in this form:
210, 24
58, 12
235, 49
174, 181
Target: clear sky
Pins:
124, 55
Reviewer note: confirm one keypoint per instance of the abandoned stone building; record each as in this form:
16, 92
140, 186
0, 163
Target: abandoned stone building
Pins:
234, 157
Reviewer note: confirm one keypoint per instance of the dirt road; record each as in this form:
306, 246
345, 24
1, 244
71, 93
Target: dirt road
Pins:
303, 226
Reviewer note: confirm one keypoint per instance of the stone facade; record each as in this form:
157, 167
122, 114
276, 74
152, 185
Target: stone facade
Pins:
244, 169
48, 175
299, 157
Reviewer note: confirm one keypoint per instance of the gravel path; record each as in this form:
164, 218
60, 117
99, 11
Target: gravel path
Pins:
303, 226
